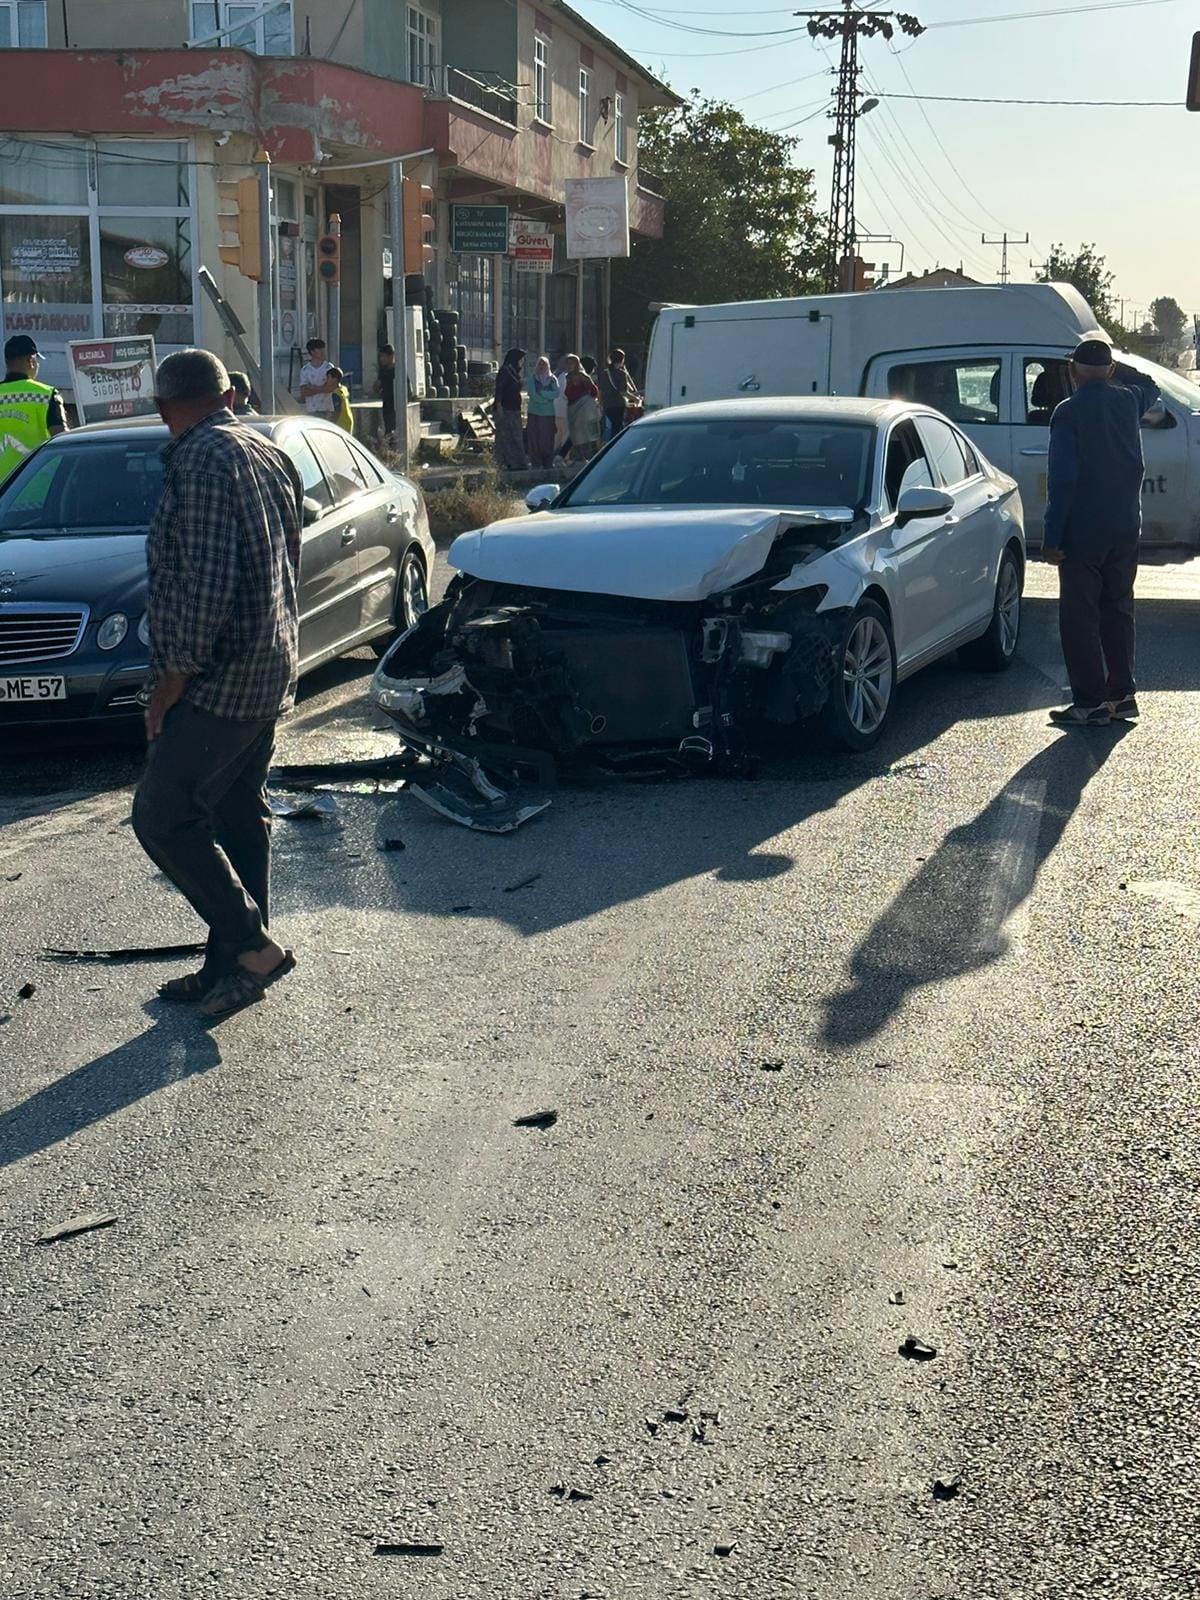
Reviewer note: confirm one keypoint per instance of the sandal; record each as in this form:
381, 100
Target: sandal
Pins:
241, 988
194, 986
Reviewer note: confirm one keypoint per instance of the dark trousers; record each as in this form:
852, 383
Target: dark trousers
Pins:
616, 420
201, 814
1096, 620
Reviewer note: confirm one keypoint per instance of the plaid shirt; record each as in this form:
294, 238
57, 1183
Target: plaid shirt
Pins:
224, 553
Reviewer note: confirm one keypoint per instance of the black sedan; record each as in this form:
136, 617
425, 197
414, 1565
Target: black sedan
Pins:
73, 524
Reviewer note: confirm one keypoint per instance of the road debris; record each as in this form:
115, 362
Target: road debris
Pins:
524, 883
394, 843
148, 952
14, 877
724, 1547
315, 808
456, 909
914, 1349
652, 1425
563, 1491
86, 1222
27, 991
406, 1547
946, 1491
774, 1065
383, 773
675, 1414
536, 1119
602, 1461
896, 1298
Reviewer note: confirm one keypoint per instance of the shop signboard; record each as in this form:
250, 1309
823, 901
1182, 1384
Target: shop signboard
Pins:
113, 378
479, 230
530, 246
597, 218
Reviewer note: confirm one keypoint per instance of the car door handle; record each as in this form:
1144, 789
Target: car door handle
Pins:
349, 535
1032, 452
392, 514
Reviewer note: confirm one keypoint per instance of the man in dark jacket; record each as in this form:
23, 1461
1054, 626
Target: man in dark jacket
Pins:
617, 391
1093, 524
510, 436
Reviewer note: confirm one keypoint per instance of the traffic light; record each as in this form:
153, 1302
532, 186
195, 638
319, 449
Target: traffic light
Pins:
418, 225
238, 215
329, 259
1193, 94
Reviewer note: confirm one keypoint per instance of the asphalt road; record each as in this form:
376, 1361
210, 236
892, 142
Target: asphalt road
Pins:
859, 1050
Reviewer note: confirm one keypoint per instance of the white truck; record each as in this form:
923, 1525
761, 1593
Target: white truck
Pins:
994, 360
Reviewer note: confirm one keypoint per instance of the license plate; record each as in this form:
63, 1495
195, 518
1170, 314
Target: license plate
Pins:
33, 689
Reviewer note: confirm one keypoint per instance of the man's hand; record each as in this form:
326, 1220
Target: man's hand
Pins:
1053, 555
168, 691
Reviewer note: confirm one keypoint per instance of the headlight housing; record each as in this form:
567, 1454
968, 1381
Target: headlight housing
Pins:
144, 629
112, 630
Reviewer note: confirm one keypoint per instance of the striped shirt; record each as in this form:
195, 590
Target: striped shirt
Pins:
224, 554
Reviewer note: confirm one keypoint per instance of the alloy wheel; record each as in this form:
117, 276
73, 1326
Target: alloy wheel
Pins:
414, 596
867, 675
1008, 607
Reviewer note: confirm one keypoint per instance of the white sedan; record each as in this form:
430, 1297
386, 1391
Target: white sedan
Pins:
717, 571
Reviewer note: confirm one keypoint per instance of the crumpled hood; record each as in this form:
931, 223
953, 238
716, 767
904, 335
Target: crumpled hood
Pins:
641, 552
106, 571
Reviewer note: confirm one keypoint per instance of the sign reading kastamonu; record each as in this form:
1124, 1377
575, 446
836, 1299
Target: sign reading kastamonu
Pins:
113, 378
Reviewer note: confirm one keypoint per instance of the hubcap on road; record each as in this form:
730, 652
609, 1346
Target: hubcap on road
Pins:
867, 675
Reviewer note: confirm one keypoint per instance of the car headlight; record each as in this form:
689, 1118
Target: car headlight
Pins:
112, 630
144, 629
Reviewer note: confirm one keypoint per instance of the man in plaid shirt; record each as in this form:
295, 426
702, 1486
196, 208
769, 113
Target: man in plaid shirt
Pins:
224, 554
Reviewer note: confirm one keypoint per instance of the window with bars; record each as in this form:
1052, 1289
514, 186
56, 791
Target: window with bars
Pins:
22, 24
585, 106
423, 43
269, 35
541, 78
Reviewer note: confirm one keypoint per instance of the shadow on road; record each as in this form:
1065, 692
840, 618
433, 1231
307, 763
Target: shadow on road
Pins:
949, 919
172, 1049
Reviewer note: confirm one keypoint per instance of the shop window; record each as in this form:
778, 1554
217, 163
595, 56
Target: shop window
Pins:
423, 41
146, 276
541, 79
142, 172
22, 24
585, 106
247, 28
45, 262
45, 174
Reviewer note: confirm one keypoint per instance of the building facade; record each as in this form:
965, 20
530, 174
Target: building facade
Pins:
124, 119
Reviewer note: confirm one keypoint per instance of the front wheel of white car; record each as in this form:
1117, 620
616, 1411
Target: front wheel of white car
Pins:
996, 650
860, 697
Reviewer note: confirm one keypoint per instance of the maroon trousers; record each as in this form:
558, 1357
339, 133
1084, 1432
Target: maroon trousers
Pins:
1096, 621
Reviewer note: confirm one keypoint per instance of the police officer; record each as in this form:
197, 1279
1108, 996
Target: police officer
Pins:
30, 412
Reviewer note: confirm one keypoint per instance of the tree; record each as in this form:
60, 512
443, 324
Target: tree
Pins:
1088, 271
1169, 319
741, 220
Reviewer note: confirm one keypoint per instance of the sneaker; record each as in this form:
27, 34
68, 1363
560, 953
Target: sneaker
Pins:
1081, 716
1124, 710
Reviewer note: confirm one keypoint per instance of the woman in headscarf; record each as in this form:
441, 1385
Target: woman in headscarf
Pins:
543, 389
510, 440
583, 410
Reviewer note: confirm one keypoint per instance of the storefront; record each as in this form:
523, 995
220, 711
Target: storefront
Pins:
96, 241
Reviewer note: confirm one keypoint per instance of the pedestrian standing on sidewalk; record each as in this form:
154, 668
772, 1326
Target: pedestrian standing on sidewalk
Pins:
617, 391
223, 554
584, 417
1093, 524
510, 436
544, 390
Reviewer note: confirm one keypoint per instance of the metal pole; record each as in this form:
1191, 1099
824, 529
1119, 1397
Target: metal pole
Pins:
399, 313
335, 300
266, 296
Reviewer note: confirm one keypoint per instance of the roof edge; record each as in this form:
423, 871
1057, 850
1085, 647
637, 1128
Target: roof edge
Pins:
665, 94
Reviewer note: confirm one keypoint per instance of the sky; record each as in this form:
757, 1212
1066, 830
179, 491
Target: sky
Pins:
938, 175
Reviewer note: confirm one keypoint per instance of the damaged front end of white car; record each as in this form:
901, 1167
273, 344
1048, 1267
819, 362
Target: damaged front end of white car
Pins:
510, 683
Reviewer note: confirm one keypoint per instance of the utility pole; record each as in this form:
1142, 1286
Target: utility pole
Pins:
335, 294
399, 312
266, 291
849, 24
1004, 241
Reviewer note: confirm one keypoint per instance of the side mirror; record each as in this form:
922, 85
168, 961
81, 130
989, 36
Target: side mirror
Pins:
313, 511
542, 497
915, 503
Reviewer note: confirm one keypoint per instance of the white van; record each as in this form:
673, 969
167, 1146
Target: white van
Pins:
994, 360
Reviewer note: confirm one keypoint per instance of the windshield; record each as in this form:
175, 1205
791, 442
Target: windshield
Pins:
82, 486
764, 461
1182, 391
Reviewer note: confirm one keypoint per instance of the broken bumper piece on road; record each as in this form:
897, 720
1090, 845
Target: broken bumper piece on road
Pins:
501, 686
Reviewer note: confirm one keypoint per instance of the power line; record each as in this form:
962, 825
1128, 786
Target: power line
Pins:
687, 27
992, 100
788, 83
1060, 11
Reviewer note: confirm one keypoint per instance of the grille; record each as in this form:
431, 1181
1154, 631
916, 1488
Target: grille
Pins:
29, 634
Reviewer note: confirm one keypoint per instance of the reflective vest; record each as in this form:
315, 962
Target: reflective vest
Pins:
24, 405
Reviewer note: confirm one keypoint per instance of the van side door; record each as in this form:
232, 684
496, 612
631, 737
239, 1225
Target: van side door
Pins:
969, 385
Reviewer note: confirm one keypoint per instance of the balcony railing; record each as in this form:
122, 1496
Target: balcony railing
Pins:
485, 91
650, 182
